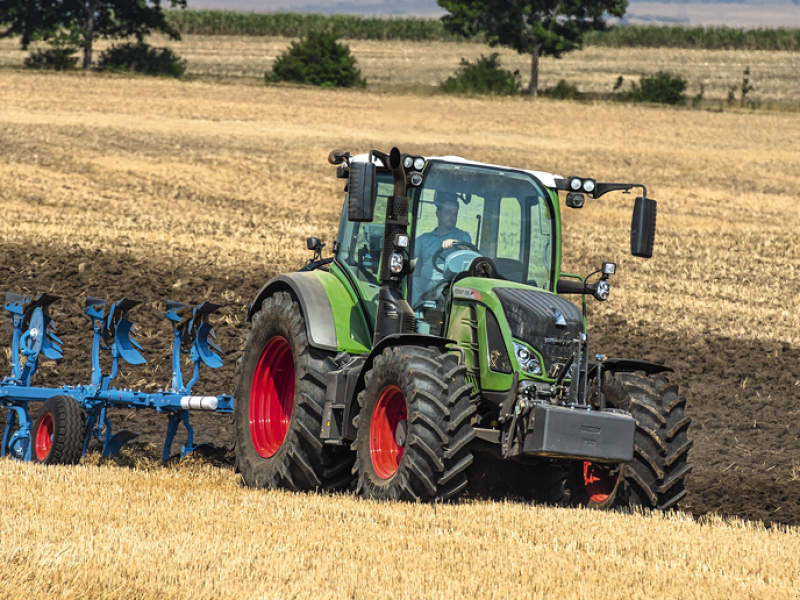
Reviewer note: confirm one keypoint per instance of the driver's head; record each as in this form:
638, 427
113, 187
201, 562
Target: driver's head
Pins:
446, 209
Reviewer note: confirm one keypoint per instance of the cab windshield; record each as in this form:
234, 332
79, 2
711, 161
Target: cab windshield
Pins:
467, 212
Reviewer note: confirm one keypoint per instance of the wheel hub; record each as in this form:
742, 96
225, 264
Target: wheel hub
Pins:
388, 432
44, 436
272, 397
600, 480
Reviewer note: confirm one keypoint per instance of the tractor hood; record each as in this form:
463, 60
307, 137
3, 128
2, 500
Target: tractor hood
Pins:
545, 321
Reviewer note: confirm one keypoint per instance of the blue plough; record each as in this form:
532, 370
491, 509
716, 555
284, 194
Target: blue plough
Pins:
34, 338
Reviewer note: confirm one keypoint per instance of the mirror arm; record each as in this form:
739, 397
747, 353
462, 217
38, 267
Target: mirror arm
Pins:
603, 188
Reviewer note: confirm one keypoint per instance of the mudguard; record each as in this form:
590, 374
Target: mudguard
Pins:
334, 318
630, 365
313, 300
399, 339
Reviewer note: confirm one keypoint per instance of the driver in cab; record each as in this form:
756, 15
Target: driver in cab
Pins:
442, 237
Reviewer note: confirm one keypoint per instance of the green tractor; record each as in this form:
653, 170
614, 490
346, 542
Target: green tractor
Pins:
439, 328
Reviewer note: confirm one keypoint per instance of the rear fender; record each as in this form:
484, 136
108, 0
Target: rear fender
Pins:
309, 292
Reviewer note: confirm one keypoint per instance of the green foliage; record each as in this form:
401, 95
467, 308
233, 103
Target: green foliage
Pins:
67, 22
57, 59
483, 77
286, 24
317, 60
662, 88
710, 38
555, 27
562, 91
534, 27
141, 58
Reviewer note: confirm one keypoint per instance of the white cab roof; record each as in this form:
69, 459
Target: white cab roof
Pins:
547, 179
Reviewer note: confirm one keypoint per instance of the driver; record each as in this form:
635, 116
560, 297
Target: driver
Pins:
443, 236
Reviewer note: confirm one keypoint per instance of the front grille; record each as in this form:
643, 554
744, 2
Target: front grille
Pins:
532, 318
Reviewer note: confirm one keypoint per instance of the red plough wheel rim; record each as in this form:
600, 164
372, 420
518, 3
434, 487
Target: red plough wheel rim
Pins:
44, 436
272, 397
388, 432
600, 480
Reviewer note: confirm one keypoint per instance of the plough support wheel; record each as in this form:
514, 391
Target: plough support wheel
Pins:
57, 434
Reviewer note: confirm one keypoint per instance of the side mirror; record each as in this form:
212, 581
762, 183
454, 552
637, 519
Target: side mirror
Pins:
643, 227
361, 190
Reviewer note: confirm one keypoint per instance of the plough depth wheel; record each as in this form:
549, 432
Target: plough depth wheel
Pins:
57, 434
280, 394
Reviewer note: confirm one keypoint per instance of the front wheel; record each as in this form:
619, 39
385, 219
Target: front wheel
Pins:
414, 426
655, 478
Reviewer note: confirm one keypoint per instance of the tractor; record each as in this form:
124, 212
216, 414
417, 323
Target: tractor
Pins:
443, 325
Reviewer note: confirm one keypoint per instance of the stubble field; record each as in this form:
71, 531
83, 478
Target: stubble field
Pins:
400, 66
155, 190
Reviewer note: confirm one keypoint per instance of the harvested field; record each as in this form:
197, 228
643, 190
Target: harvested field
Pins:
398, 66
194, 532
154, 189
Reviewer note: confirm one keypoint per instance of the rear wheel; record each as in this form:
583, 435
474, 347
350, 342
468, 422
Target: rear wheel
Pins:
414, 426
280, 393
656, 476
58, 432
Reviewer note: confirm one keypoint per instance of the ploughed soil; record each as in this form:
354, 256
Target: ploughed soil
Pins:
746, 430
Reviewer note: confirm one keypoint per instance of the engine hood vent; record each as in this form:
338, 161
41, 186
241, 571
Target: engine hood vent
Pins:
547, 322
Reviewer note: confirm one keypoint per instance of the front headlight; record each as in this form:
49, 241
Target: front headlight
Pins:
528, 361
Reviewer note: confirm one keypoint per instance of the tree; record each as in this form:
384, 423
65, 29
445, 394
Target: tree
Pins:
79, 22
535, 27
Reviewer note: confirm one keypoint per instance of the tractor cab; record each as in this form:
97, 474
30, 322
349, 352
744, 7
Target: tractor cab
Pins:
465, 219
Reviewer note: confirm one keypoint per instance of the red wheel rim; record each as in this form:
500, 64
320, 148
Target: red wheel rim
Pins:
272, 397
44, 436
388, 432
600, 480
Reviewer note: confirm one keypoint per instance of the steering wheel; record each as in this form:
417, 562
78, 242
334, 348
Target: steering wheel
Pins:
438, 254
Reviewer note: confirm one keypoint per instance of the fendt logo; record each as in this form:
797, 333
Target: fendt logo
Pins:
560, 320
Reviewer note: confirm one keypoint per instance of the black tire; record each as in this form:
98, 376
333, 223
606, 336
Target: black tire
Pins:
655, 478
299, 461
437, 432
57, 434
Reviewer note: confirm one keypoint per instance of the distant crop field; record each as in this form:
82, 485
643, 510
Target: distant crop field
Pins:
287, 24
192, 190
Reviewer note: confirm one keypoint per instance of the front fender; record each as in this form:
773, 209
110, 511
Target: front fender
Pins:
630, 365
399, 339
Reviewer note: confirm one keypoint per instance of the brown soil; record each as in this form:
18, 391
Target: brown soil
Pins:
744, 438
